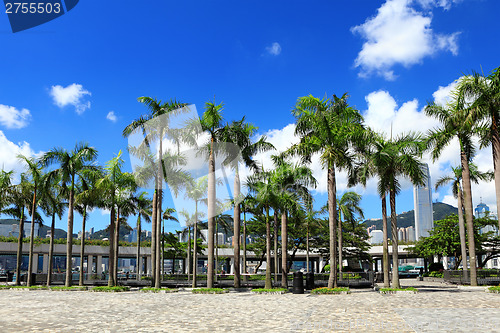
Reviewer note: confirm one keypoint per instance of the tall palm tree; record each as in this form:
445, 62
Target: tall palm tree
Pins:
329, 128
290, 184
453, 126
143, 206
87, 197
455, 179
53, 206
19, 200
168, 215
155, 126
197, 192
240, 134
5, 187
71, 164
211, 122
484, 113
36, 174
349, 206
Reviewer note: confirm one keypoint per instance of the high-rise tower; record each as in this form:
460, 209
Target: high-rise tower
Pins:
422, 198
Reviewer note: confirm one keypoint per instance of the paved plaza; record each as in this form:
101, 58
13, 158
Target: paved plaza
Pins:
436, 308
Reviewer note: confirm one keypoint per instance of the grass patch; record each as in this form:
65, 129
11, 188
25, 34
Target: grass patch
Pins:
159, 290
330, 291
269, 291
396, 290
30, 288
494, 289
4, 286
73, 288
115, 289
210, 291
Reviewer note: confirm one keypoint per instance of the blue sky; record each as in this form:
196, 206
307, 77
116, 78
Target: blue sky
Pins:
77, 78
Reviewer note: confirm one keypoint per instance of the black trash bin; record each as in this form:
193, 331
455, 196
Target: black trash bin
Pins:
309, 281
10, 276
33, 278
298, 283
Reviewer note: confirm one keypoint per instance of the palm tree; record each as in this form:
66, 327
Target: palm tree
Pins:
211, 122
348, 205
167, 216
240, 134
455, 179
19, 199
71, 165
453, 126
155, 127
328, 127
35, 172
143, 206
484, 113
53, 206
290, 183
87, 197
5, 187
196, 192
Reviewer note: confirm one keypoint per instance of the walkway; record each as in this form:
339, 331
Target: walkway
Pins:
438, 308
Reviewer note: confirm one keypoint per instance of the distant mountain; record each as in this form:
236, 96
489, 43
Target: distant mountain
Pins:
407, 219
59, 233
124, 230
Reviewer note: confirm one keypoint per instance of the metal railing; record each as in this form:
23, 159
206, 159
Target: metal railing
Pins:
484, 277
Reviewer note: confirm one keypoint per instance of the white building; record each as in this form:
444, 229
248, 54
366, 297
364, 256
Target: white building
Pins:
376, 237
422, 199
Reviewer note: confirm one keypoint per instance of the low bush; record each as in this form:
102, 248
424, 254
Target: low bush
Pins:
269, 291
159, 290
395, 290
330, 291
210, 291
73, 288
110, 289
436, 274
494, 289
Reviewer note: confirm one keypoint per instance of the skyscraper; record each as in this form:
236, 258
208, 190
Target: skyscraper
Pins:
422, 199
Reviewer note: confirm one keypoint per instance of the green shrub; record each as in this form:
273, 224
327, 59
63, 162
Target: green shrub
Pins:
330, 291
436, 274
4, 286
394, 290
74, 288
327, 268
269, 291
351, 276
210, 291
110, 289
158, 290
494, 289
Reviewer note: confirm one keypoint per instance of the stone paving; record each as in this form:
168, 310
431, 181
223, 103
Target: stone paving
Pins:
437, 308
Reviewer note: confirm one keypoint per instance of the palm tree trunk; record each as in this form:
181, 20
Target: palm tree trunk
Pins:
159, 263
32, 240
153, 235
111, 258
469, 217
495, 149
116, 236
332, 224
216, 249
275, 226
268, 284
211, 215
138, 261
339, 233
394, 229
51, 249
385, 233
245, 277
82, 248
69, 239
284, 253
236, 227
461, 230
188, 258
195, 244
20, 248
307, 248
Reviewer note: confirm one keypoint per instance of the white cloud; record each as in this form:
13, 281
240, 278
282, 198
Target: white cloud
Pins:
442, 95
399, 34
111, 116
10, 117
73, 94
9, 151
274, 49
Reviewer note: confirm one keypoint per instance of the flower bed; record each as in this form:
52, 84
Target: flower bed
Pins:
210, 291
159, 290
330, 291
269, 291
110, 289
388, 291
